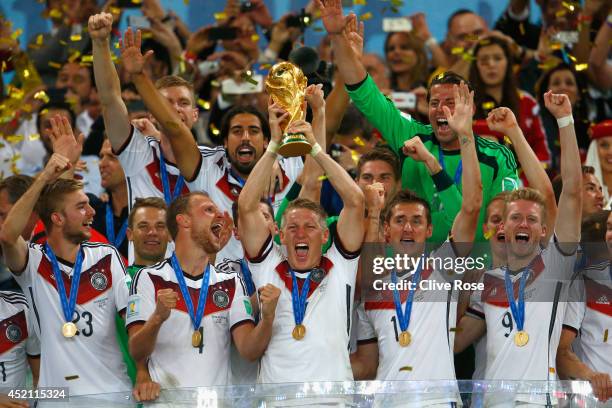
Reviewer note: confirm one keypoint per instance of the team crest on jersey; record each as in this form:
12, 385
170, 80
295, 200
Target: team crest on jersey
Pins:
317, 275
13, 333
220, 299
99, 281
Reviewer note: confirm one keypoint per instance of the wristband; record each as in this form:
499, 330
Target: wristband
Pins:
272, 147
565, 121
316, 149
431, 41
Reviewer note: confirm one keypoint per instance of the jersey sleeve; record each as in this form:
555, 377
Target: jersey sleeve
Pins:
241, 310
141, 303
576, 308
365, 329
380, 111
121, 282
202, 179
135, 154
24, 279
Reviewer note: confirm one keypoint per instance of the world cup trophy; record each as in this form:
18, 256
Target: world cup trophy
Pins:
286, 84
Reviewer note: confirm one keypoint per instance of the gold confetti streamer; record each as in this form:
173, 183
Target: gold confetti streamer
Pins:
359, 2
16, 33
87, 58
488, 105
14, 139
406, 368
581, 67
146, 35
321, 178
204, 104
457, 50
55, 13
74, 56
397, 3
35, 136
255, 38
365, 16
456, 329
214, 129
572, 58
220, 16
39, 39
186, 2
75, 37
358, 141
62, 42
488, 235
507, 140
3, 66
214, 83
248, 77
522, 28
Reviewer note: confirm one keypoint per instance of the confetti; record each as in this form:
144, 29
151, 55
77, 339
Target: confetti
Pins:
39, 39
406, 368
581, 67
146, 35
74, 56
572, 58
14, 139
62, 42
321, 178
114, 10
247, 76
488, 105
75, 37
117, 45
214, 83
16, 33
358, 141
522, 28
560, 13
507, 140
3, 66
186, 2
317, 29
457, 50
214, 129
255, 38
35, 136
459, 329
365, 16
204, 104
55, 13
397, 3
359, 2
87, 58
488, 235
220, 16
605, 339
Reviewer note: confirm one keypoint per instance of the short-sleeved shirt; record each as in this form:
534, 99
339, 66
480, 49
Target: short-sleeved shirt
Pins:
90, 362
175, 362
497, 163
216, 177
322, 355
17, 339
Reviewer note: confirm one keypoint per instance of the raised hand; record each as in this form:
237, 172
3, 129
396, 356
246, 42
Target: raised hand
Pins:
501, 120
100, 26
146, 127
420, 27
302, 127
331, 14
276, 179
315, 97
63, 141
198, 41
166, 301
56, 166
375, 197
354, 33
277, 117
460, 121
557, 104
268, 295
131, 56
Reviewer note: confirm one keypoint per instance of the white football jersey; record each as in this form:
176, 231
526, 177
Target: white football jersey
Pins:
214, 176
175, 362
434, 313
551, 271
589, 313
322, 355
91, 361
17, 338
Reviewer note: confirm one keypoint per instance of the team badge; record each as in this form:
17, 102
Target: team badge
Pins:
132, 307
235, 192
13, 333
317, 275
99, 281
221, 299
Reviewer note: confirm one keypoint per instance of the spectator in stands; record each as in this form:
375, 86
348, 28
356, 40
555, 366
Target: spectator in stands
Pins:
599, 157
592, 192
407, 61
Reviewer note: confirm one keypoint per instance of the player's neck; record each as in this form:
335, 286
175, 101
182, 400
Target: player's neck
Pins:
119, 198
62, 248
166, 148
496, 92
140, 261
516, 264
498, 260
193, 259
451, 144
241, 174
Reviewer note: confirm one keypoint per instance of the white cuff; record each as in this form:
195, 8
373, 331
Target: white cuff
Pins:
316, 149
565, 121
431, 41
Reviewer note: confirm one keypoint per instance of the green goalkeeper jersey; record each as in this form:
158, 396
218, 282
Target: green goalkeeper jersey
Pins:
497, 163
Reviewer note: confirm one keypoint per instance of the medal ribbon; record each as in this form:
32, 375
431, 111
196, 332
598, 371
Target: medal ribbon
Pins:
459, 170
517, 310
299, 301
403, 316
68, 304
248, 278
165, 183
116, 241
196, 318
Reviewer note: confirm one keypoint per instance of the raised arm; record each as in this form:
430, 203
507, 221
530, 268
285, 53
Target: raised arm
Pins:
350, 223
253, 237
184, 146
312, 174
599, 68
14, 247
114, 111
568, 223
465, 224
503, 120
347, 61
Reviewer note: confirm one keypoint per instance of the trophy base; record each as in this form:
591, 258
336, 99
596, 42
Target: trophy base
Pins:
294, 145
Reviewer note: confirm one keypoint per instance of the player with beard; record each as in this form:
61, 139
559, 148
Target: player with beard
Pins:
221, 171
211, 308
310, 338
582, 354
497, 164
76, 325
520, 345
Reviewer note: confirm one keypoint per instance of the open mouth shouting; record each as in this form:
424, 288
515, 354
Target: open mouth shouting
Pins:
301, 251
245, 154
216, 229
443, 125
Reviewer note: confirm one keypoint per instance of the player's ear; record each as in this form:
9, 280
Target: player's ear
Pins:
57, 218
129, 234
183, 220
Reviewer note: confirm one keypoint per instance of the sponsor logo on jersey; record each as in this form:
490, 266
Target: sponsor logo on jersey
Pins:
220, 299
133, 307
99, 281
13, 333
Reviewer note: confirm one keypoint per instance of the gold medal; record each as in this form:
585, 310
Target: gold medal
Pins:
299, 331
521, 338
196, 339
405, 338
69, 329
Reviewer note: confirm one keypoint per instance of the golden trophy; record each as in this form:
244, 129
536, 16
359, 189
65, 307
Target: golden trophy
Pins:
286, 84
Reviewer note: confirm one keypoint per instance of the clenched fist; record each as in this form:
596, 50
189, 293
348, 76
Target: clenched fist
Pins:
375, 196
100, 26
268, 295
166, 301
